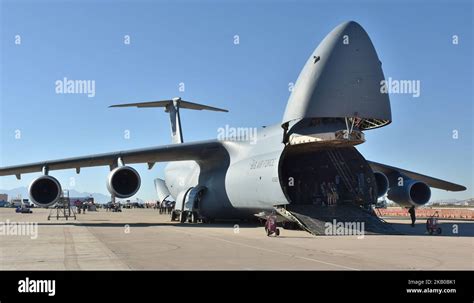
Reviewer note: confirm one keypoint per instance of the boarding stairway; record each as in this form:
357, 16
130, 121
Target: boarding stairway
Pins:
313, 218
63, 208
344, 172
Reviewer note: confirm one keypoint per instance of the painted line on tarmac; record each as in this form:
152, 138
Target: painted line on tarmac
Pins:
268, 250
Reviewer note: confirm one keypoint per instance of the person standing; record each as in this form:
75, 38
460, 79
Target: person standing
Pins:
334, 193
324, 193
330, 194
412, 215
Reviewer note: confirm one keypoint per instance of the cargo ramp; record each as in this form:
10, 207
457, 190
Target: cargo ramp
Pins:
313, 218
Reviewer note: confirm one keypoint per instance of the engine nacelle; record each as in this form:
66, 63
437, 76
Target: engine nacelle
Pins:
411, 193
123, 181
382, 184
45, 191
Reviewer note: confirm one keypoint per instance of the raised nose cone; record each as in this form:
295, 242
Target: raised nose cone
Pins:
342, 78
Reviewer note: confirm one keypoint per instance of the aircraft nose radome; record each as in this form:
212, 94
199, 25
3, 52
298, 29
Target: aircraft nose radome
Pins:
352, 24
341, 78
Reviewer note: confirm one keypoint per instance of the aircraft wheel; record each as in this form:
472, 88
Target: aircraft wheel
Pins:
173, 216
207, 221
183, 217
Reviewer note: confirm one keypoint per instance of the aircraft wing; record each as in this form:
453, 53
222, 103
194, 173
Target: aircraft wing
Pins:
203, 150
430, 181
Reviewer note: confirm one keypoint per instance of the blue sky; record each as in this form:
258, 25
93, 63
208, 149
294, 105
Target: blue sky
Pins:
193, 43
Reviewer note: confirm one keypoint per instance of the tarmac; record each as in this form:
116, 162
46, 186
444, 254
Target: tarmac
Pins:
143, 239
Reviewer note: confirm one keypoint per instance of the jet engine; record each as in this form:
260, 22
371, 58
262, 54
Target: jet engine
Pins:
382, 184
411, 193
123, 181
45, 191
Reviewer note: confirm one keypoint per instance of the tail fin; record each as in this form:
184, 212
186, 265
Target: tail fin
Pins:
172, 107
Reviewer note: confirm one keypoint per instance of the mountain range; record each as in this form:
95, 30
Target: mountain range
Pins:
23, 191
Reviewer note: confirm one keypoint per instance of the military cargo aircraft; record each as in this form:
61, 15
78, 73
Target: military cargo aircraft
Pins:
291, 168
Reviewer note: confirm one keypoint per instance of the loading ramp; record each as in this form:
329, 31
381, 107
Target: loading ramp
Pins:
313, 218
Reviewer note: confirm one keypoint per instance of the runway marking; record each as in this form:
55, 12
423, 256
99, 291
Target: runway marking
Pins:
270, 250
70, 254
104, 248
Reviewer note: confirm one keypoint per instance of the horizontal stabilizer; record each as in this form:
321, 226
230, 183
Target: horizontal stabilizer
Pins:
172, 107
165, 103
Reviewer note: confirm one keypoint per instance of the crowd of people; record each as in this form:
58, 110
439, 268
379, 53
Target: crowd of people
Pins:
165, 207
83, 206
330, 193
113, 206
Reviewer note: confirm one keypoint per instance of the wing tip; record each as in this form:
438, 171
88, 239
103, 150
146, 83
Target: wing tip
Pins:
121, 105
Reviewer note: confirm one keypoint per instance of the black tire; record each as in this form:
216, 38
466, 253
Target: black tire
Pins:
277, 232
194, 218
183, 217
